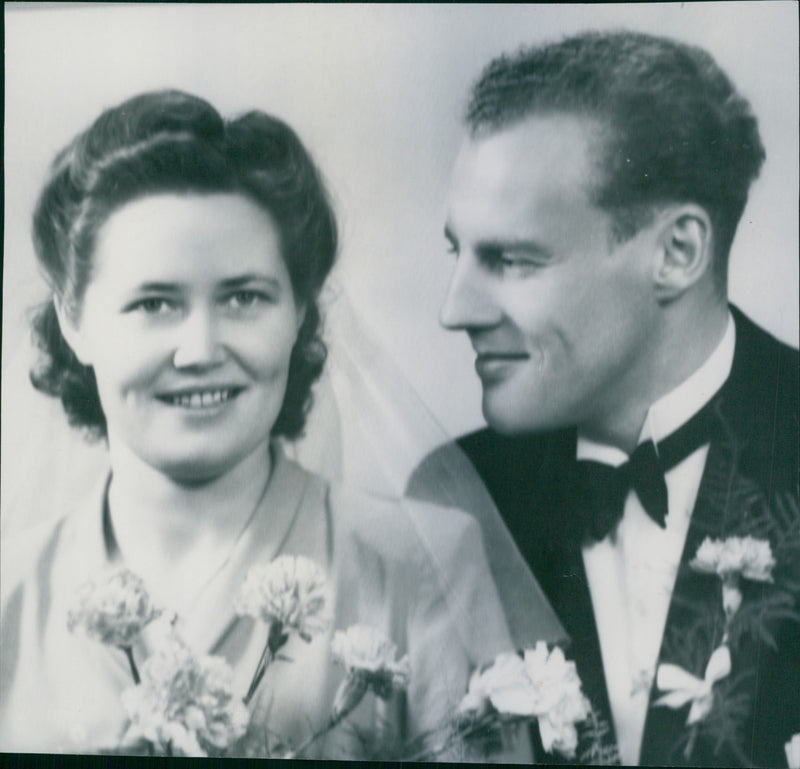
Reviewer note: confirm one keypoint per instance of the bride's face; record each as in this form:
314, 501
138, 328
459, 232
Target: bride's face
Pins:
189, 320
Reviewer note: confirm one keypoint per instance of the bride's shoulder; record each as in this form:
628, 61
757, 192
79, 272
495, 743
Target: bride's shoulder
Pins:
28, 553
421, 537
419, 558
397, 522
22, 554
427, 557
432, 552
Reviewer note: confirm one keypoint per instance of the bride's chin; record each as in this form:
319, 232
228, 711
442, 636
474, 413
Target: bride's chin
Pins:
195, 472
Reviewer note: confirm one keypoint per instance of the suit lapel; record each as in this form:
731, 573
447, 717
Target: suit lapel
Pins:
755, 447
737, 470
693, 629
559, 567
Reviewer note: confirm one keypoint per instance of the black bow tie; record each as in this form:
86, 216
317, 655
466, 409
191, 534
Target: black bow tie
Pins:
598, 491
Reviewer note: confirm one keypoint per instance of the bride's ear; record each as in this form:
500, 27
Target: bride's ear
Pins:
71, 331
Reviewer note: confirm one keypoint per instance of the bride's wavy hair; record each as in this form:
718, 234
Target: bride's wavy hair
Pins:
162, 142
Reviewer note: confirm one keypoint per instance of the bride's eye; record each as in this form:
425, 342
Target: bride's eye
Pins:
151, 305
244, 299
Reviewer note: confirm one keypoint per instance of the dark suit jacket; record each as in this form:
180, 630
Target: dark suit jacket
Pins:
749, 487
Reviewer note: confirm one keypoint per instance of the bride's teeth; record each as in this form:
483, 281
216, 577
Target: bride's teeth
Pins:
201, 399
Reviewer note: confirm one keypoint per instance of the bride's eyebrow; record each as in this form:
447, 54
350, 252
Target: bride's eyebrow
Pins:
158, 287
250, 278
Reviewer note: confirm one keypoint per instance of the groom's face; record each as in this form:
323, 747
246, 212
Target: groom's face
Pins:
559, 314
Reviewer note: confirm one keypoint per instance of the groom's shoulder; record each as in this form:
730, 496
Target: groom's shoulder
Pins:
763, 395
494, 454
506, 464
765, 360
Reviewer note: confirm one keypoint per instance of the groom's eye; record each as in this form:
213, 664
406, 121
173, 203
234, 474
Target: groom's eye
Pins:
496, 258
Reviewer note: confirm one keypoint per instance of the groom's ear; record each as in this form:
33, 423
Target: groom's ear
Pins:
70, 330
684, 253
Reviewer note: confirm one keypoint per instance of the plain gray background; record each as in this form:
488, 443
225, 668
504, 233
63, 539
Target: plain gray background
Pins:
376, 93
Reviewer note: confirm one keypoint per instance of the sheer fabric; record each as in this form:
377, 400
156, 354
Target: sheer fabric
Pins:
412, 571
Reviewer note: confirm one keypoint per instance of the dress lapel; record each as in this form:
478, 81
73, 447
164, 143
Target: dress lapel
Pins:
210, 622
212, 626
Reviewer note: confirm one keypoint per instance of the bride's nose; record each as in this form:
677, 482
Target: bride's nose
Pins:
198, 343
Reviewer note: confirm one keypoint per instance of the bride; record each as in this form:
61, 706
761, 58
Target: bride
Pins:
186, 255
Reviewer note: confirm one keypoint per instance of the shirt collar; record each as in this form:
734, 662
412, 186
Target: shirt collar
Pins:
675, 408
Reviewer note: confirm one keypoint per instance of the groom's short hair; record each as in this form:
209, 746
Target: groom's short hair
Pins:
673, 127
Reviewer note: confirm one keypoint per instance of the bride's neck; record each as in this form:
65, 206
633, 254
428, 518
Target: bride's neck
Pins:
150, 509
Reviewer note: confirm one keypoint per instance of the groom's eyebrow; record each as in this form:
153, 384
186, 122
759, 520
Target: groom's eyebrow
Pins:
503, 245
514, 245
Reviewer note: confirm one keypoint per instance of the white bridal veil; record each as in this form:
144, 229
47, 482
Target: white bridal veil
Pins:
368, 428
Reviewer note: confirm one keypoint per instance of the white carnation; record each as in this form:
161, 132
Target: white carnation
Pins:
541, 684
559, 702
504, 684
112, 607
746, 556
290, 591
184, 704
367, 653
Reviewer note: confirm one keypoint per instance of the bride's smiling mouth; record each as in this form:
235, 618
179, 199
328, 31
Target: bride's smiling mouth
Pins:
200, 398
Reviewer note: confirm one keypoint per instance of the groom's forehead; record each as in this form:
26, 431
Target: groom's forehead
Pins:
542, 149
523, 179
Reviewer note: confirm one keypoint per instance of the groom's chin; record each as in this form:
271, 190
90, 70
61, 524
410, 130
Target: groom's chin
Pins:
510, 413
503, 417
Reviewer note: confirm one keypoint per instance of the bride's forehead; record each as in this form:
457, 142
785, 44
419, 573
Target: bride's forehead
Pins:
175, 217
191, 234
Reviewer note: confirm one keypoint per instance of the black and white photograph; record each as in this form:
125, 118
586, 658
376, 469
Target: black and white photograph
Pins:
401, 382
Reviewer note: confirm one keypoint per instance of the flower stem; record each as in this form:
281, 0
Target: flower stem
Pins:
261, 668
687, 753
134, 670
275, 640
314, 737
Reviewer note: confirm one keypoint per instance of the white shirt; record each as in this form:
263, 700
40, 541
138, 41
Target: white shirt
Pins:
631, 572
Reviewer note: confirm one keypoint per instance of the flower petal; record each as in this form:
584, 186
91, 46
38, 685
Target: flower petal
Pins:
719, 665
513, 700
671, 677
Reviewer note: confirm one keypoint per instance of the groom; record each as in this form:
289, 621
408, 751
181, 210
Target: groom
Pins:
643, 433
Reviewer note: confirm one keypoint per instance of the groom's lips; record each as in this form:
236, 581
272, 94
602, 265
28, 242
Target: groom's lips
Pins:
494, 364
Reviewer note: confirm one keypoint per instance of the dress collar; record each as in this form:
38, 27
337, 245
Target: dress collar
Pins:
267, 534
675, 408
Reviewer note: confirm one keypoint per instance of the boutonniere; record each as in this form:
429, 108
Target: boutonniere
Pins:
682, 687
733, 559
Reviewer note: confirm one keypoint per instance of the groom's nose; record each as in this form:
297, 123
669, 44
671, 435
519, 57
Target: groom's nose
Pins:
469, 302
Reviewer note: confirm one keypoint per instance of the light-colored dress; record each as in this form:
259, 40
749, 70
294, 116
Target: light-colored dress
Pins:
415, 572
